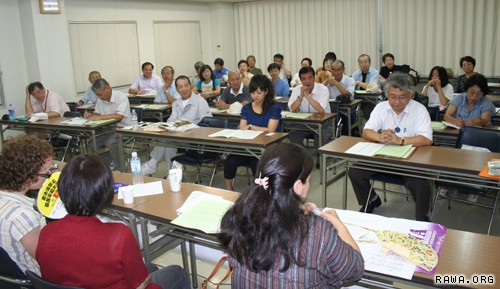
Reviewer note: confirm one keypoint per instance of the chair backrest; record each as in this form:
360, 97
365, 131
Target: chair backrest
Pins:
39, 283
71, 114
479, 137
72, 106
139, 111
210, 121
11, 276
434, 113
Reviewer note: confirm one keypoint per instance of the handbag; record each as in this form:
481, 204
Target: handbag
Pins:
204, 285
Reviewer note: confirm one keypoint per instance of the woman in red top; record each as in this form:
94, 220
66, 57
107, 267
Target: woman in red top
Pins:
80, 250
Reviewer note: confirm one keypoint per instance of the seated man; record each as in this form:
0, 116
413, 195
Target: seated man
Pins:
313, 97
25, 165
191, 107
341, 84
167, 93
147, 82
89, 96
366, 77
236, 92
111, 104
45, 101
285, 74
400, 121
220, 72
281, 87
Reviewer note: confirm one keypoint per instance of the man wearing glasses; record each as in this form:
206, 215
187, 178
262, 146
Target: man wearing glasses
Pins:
399, 121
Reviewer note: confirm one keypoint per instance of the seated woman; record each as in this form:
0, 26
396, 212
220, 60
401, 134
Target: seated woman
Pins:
24, 165
208, 85
472, 108
244, 73
273, 238
326, 72
467, 63
438, 88
262, 114
80, 250
388, 68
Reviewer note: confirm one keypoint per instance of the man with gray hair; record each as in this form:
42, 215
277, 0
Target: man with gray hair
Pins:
111, 104
399, 121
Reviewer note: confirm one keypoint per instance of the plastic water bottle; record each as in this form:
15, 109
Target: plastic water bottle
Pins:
133, 119
12, 112
136, 169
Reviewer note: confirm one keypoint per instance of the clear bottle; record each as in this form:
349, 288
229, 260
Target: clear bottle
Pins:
12, 112
133, 120
136, 169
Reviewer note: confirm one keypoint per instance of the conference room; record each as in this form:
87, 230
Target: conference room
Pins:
115, 37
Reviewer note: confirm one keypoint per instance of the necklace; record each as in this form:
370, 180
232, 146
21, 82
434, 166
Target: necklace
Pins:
397, 129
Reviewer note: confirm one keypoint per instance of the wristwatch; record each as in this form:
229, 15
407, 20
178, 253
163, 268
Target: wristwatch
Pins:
250, 127
402, 141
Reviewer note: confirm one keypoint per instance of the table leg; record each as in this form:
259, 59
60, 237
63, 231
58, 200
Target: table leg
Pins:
346, 178
192, 255
121, 161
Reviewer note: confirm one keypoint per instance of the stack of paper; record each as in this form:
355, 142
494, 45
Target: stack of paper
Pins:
378, 149
448, 124
296, 114
203, 212
75, 121
236, 133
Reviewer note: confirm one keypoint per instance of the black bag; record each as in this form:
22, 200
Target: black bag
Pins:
344, 98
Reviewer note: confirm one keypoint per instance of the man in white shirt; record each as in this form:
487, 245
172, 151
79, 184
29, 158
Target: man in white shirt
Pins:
111, 104
399, 121
309, 97
191, 107
167, 93
366, 77
147, 82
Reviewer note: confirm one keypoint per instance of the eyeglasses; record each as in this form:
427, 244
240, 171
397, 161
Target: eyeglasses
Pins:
401, 97
47, 175
473, 92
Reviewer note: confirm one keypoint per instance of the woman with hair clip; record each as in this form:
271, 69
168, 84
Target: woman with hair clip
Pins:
80, 250
273, 238
261, 114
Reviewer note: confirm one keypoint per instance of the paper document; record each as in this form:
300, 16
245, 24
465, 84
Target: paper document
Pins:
363, 228
98, 122
378, 149
216, 110
204, 216
297, 115
148, 189
194, 198
236, 133
153, 106
437, 125
75, 121
450, 124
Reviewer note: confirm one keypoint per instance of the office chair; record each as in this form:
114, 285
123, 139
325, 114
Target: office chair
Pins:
39, 283
11, 276
479, 137
433, 113
197, 158
72, 114
385, 178
72, 106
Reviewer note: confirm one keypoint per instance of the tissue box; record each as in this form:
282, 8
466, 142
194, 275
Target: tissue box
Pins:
494, 168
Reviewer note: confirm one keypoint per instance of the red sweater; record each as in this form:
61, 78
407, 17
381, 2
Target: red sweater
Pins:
84, 252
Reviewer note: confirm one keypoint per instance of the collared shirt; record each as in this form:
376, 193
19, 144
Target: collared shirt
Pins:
480, 107
18, 218
118, 104
319, 93
147, 84
371, 76
281, 88
52, 102
348, 82
220, 74
413, 121
229, 97
89, 96
161, 97
193, 110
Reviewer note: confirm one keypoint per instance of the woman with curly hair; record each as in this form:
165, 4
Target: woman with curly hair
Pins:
24, 165
272, 237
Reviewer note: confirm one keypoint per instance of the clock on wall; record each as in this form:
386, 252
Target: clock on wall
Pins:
50, 6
